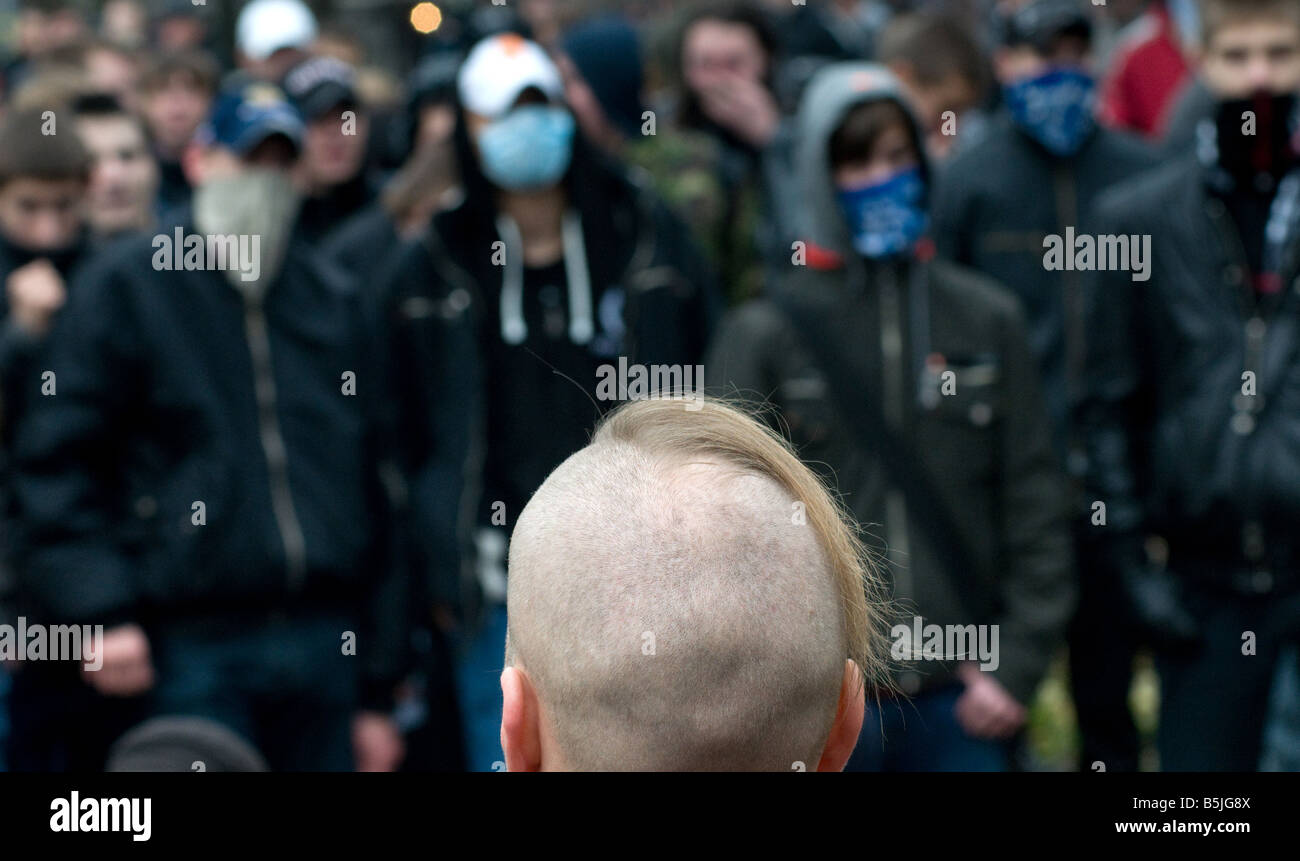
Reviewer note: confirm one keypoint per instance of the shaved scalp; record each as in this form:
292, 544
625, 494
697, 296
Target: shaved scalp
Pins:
683, 594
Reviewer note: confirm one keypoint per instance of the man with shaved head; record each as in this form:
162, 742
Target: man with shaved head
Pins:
684, 594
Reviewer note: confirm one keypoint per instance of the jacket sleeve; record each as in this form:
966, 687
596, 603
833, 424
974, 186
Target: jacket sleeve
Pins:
431, 414
698, 303
737, 366
1113, 412
1038, 590
67, 457
18, 348
387, 616
951, 213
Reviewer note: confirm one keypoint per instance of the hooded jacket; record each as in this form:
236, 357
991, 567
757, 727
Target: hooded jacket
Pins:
440, 314
899, 327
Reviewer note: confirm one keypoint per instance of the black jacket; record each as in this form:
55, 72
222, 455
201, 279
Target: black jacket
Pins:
20, 384
985, 448
433, 303
18, 348
174, 389
1176, 446
990, 544
995, 203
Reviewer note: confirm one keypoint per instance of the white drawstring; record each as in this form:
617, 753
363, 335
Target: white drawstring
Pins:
582, 326
513, 328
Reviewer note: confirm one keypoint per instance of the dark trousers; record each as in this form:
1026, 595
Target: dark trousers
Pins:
1214, 702
922, 734
58, 723
1102, 648
280, 681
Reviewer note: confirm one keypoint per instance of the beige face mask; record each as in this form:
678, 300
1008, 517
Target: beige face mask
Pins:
259, 207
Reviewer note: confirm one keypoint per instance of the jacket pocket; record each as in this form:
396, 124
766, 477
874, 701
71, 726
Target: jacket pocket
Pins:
960, 403
190, 516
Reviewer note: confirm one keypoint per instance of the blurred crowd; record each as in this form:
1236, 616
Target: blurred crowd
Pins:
282, 471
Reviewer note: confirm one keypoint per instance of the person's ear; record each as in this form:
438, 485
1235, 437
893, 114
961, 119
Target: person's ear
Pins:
849, 715
521, 731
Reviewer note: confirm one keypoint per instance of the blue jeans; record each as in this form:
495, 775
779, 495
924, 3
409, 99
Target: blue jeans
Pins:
1282, 733
283, 683
479, 662
923, 735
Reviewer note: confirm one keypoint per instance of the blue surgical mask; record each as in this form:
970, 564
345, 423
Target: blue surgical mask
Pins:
1054, 108
529, 148
886, 217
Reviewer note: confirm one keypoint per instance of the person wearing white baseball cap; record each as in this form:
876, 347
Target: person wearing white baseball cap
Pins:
272, 36
552, 265
513, 95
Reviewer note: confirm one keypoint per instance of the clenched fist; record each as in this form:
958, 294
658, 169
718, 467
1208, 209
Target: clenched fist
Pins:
35, 293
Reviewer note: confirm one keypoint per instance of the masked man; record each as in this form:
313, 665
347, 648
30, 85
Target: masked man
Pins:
911, 381
1035, 176
1193, 408
205, 484
501, 316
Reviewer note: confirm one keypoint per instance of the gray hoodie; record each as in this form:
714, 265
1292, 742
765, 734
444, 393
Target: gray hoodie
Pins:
830, 96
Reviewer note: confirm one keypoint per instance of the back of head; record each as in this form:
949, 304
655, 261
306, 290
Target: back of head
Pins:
180, 743
684, 593
932, 47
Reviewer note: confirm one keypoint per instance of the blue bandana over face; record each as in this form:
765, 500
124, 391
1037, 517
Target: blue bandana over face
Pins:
886, 217
1054, 108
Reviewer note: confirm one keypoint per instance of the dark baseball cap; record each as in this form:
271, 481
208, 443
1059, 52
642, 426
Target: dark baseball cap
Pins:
178, 9
1040, 23
245, 113
320, 84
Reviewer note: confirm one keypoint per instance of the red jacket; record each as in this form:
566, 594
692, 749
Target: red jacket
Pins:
1148, 71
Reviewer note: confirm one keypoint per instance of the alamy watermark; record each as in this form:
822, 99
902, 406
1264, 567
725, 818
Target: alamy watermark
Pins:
921, 642
217, 252
123, 815
37, 642
631, 382
1109, 252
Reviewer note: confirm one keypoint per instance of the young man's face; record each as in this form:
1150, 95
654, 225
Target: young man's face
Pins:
714, 52
174, 111
124, 178
41, 216
892, 152
181, 32
931, 101
330, 157
115, 73
41, 32
1251, 56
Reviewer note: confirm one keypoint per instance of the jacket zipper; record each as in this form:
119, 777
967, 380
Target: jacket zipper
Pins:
891, 349
273, 447
1074, 323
